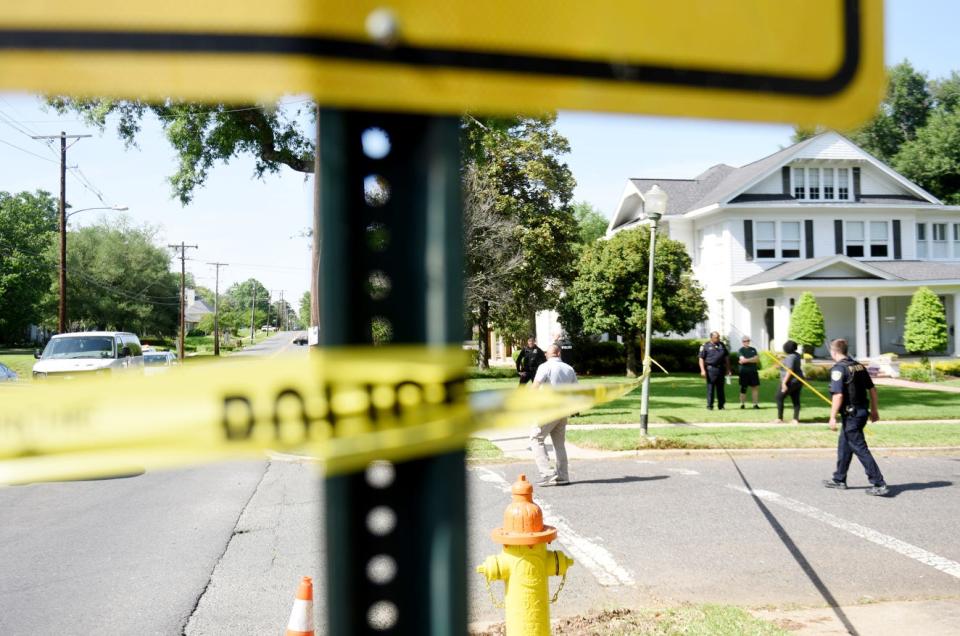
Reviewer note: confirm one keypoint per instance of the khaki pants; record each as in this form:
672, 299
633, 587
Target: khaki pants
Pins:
557, 430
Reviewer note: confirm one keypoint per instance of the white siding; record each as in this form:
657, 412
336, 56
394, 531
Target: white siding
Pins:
831, 147
872, 181
770, 185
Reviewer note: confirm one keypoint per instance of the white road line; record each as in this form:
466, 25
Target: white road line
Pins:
900, 547
683, 471
585, 552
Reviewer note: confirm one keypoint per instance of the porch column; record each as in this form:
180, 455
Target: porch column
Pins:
860, 345
874, 311
956, 324
781, 322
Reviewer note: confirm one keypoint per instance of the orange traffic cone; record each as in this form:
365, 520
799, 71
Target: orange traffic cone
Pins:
301, 617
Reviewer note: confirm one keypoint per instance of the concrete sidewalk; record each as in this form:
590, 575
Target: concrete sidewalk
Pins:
909, 384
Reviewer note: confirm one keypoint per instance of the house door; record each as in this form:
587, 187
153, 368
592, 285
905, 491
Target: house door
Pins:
768, 322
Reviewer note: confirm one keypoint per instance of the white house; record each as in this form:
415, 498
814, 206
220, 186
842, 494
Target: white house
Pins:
196, 308
822, 216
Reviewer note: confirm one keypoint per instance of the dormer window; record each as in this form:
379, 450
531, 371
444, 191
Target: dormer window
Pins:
821, 184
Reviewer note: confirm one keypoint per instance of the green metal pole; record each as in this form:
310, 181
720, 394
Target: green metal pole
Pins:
394, 219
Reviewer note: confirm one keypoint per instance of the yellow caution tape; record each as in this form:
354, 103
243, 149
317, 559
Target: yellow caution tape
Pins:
347, 407
802, 380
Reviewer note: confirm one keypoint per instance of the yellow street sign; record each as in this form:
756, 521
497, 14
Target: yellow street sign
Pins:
817, 61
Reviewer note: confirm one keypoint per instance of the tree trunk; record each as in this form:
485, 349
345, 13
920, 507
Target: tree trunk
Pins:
532, 323
630, 342
483, 337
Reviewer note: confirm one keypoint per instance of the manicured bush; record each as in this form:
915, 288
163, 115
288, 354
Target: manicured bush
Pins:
925, 330
815, 372
806, 323
920, 373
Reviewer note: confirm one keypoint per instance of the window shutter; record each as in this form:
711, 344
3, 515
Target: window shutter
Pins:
808, 231
896, 239
838, 236
748, 238
856, 184
785, 171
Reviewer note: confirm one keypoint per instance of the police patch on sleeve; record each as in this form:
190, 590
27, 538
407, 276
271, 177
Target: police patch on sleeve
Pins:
836, 375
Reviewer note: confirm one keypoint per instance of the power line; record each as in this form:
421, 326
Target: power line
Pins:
5, 142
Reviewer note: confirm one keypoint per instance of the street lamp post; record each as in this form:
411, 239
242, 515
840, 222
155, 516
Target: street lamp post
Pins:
654, 205
62, 309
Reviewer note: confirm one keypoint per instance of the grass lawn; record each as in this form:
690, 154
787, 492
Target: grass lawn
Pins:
681, 398
950, 382
700, 620
803, 436
482, 449
20, 360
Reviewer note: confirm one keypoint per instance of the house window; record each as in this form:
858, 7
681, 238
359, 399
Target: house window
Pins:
843, 178
790, 239
939, 248
956, 240
772, 241
921, 240
828, 183
766, 239
814, 176
879, 239
799, 190
854, 239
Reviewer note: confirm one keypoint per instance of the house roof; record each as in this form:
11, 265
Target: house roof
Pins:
196, 310
722, 184
808, 268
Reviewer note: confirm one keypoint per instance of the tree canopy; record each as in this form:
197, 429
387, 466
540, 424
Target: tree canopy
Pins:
916, 129
117, 278
591, 223
27, 223
610, 292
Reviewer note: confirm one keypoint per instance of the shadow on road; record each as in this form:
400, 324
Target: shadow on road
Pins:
626, 479
896, 489
797, 554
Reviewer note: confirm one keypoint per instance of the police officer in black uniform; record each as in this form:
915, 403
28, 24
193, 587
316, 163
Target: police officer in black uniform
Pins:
714, 365
854, 398
529, 360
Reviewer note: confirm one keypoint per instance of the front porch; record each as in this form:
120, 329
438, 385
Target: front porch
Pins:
863, 302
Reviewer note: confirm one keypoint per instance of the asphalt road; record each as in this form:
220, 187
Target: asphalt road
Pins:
278, 343
219, 549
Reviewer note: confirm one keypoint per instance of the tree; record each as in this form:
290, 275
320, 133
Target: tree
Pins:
806, 323
932, 159
491, 256
518, 187
238, 300
305, 309
610, 292
27, 223
925, 330
903, 111
591, 223
117, 279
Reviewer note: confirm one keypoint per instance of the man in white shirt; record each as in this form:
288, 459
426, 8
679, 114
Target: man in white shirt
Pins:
553, 372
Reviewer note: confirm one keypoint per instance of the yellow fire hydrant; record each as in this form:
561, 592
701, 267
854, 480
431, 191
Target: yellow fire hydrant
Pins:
525, 564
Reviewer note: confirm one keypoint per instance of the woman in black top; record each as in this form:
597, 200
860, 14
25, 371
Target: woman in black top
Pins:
790, 385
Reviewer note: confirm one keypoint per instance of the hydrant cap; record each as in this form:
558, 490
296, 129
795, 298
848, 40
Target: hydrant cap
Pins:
523, 519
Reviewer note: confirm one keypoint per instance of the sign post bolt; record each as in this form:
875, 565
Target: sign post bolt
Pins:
525, 564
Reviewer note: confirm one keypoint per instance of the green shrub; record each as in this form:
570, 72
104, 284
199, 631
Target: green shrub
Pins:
493, 372
815, 372
771, 372
920, 373
949, 367
196, 332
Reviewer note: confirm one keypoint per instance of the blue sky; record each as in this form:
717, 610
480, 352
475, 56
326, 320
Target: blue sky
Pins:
254, 225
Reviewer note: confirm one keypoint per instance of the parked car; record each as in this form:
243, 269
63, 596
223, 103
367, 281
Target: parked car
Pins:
300, 340
7, 374
69, 355
158, 361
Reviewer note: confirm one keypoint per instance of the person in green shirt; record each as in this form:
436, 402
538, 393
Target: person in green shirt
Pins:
749, 377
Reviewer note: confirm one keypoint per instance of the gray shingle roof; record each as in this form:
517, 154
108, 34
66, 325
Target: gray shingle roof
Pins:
900, 270
717, 183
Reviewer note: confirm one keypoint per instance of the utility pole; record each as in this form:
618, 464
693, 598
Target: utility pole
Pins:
253, 306
216, 308
62, 308
282, 319
183, 279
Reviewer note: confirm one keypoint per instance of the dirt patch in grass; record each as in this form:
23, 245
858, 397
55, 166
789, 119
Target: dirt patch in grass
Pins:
713, 620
